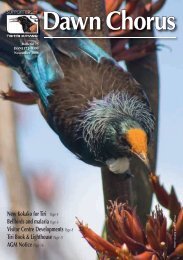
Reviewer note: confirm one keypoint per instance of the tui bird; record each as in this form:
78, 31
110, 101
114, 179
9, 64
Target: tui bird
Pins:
99, 111
25, 22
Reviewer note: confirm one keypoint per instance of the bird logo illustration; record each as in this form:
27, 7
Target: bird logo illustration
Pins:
28, 24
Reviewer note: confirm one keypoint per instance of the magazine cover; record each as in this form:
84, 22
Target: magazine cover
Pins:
91, 130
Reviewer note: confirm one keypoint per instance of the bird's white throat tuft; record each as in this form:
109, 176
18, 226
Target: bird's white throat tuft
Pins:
118, 166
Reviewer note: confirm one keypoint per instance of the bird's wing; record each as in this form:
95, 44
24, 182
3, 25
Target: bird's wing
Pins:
74, 46
74, 43
44, 70
78, 46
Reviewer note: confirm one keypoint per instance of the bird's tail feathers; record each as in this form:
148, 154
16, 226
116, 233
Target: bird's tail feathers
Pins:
45, 70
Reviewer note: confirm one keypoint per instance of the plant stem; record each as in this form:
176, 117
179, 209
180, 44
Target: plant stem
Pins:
114, 186
145, 71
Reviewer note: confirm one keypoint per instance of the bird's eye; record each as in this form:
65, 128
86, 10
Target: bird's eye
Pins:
124, 142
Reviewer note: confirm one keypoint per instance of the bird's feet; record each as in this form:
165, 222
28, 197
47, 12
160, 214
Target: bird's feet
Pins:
6, 94
25, 98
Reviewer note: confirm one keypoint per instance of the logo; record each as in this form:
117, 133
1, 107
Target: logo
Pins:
23, 30
22, 24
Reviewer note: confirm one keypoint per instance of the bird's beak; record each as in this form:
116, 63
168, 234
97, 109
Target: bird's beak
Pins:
143, 157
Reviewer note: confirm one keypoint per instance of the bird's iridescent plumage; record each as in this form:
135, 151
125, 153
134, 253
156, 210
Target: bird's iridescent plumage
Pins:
85, 96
